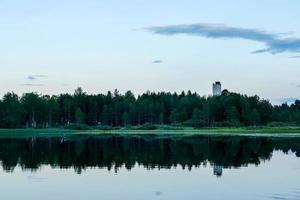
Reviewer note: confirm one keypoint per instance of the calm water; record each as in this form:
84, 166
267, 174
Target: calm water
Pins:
119, 167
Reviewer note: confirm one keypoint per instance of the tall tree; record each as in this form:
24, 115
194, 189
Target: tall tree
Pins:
11, 111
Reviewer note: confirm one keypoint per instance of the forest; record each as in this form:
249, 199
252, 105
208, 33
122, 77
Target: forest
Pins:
32, 110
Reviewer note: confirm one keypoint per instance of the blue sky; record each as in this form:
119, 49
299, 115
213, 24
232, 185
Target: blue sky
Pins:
51, 47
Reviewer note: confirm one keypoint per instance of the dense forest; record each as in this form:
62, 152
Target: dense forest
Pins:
32, 110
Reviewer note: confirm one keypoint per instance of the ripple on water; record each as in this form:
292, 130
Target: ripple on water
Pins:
294, 195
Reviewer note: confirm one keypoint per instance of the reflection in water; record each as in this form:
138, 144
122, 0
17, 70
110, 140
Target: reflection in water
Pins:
218, 170
113, 152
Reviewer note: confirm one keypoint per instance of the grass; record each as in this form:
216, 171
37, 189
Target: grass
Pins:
243, 131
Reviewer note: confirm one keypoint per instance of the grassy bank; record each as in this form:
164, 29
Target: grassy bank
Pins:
244, 131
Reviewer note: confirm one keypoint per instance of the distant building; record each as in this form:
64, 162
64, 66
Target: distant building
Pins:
217, 88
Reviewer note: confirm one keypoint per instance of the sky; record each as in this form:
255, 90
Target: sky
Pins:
54, 46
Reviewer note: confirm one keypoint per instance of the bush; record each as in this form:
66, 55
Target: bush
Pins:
195, 123
176, 124
127, 126
78, 127
280, 124
105, 128
226, 124
169, 127
146, 126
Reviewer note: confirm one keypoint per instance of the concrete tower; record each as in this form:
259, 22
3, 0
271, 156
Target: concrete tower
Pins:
217, 88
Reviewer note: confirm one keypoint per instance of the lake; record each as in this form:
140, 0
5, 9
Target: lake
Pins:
93, 167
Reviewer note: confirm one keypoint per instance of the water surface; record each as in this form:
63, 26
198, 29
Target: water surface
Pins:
149, 167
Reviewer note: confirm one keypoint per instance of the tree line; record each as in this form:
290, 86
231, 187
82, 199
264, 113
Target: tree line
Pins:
32, 110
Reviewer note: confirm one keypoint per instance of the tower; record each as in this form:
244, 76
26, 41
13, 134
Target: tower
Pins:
217, 88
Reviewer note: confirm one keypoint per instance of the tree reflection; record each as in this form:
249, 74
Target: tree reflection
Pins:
114, 152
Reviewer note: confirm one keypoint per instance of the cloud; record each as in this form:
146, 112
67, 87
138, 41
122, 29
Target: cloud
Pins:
157, 61
29, 84
295, 57
274, 42
41, 76
31, 78
65, 84
36, 77
298, 86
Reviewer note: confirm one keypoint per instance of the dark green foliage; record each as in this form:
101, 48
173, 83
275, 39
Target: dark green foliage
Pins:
10, 111
146, 126
78, 127
195, 123
105, 128
169, 127
281, 124
144, 111
79, 116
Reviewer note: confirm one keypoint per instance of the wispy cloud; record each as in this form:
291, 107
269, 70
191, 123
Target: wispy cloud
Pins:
157, 61
35, 85
31, 78
36, 77
274, 42
298, 86
295, 57
41, 76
